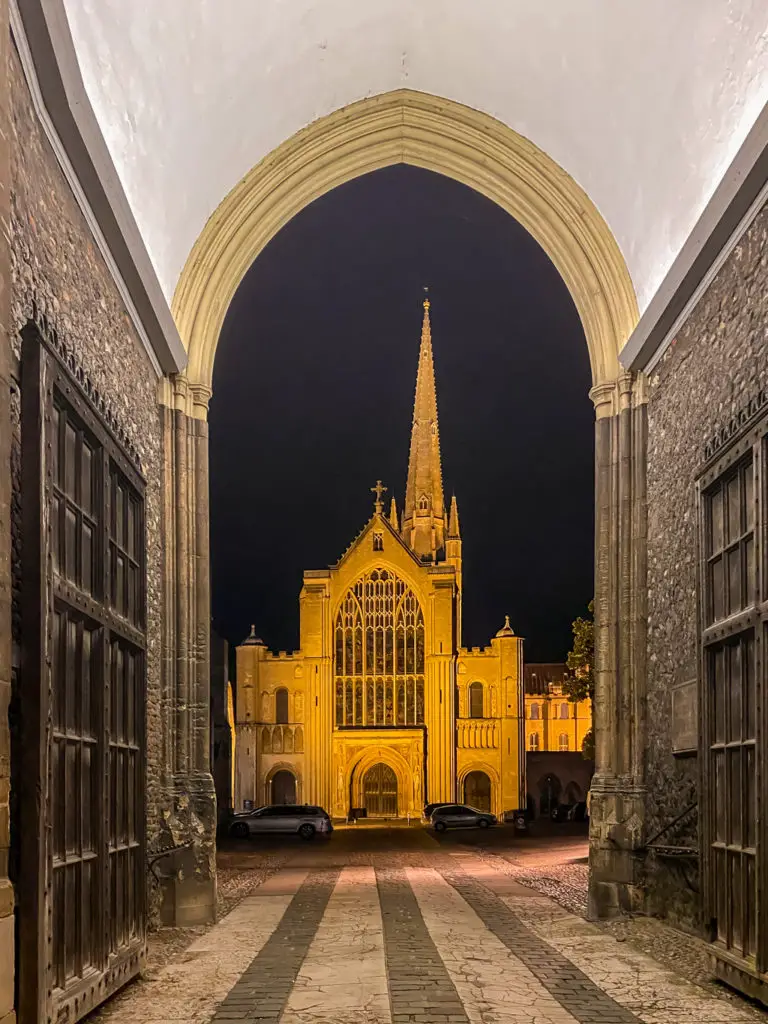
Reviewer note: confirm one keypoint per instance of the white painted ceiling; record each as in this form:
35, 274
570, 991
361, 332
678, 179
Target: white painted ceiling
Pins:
643, 102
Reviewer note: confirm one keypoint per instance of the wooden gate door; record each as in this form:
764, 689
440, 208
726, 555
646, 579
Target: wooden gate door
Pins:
82, 880
734, 614
380, 792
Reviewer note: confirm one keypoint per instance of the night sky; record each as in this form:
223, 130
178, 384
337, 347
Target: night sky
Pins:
313, 398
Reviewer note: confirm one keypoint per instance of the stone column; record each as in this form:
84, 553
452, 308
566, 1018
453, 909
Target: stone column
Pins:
7, 946
618, 787
189, 895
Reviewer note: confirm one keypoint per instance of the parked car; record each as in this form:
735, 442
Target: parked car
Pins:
282, 819
460, 816
431, 808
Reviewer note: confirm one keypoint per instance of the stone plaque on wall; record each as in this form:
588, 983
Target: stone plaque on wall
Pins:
685, 718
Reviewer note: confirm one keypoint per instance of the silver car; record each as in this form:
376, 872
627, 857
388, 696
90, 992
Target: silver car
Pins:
282, 819
460, 816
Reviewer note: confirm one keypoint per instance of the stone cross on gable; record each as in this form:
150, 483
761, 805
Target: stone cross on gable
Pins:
378, 490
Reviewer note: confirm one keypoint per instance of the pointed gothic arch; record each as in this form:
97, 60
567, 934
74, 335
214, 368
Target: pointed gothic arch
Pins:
426, 131
489, 157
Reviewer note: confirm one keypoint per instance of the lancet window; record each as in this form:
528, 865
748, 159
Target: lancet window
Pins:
379, 654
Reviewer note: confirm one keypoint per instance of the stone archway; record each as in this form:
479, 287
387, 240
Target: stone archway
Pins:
281, 782
477, 790
480, 152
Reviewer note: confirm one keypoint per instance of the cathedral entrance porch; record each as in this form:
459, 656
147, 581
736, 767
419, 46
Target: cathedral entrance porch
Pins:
380, 771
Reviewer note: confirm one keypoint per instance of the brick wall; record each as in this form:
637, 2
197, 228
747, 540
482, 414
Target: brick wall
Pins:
718, 361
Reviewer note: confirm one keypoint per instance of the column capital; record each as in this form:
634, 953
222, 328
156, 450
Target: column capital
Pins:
626, 391
177, 392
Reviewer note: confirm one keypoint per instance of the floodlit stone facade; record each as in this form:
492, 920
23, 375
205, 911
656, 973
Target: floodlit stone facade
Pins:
552, 721
381, 710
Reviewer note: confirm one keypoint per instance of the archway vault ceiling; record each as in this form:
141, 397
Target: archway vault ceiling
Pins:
643, 105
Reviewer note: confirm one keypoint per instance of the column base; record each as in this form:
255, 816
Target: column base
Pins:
617, 818
188, 875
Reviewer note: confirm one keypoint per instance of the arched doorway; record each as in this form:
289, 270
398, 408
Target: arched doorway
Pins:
490, 158
380, 791
283, 788
477, 791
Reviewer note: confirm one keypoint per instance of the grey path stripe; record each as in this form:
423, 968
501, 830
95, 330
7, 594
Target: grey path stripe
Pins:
575, 992
420, 988
262, 990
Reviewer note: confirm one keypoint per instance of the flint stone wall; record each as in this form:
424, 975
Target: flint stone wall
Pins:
716, 364
57, 266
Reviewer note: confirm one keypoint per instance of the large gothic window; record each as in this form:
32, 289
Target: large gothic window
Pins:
379, 654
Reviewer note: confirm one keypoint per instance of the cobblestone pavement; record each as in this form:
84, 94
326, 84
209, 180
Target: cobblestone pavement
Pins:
395, 927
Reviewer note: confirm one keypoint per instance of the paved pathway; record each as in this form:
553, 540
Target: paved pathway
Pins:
348, 932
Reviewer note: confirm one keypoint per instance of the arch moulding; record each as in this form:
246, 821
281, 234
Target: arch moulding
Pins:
480, 152
425, 131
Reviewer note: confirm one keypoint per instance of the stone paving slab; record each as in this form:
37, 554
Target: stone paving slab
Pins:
492, 983
573, 990
263, 989
420, 988
656, 995
371, 935
343, 979
190, 988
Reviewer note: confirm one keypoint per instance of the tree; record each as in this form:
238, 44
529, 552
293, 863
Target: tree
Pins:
579, 684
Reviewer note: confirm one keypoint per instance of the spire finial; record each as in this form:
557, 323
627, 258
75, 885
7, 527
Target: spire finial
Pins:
252, 640
506, 629
426, 298
378, 490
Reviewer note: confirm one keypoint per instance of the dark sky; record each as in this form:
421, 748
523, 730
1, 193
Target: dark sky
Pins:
313, 396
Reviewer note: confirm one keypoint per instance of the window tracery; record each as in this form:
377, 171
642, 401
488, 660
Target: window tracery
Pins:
379, 654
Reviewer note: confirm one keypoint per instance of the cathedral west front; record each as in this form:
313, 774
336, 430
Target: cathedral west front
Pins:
381, 710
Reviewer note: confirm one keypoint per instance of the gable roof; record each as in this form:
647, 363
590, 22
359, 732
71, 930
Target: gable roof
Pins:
378, 519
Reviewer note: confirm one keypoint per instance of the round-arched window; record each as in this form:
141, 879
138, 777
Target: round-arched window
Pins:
563, 741
281, 706
476, 700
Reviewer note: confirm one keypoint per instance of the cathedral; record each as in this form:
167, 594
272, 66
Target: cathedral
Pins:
381, 710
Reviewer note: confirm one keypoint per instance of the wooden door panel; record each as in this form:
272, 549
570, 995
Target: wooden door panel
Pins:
83, 863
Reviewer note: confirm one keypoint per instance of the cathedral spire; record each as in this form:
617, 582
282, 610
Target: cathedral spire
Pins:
424, 514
